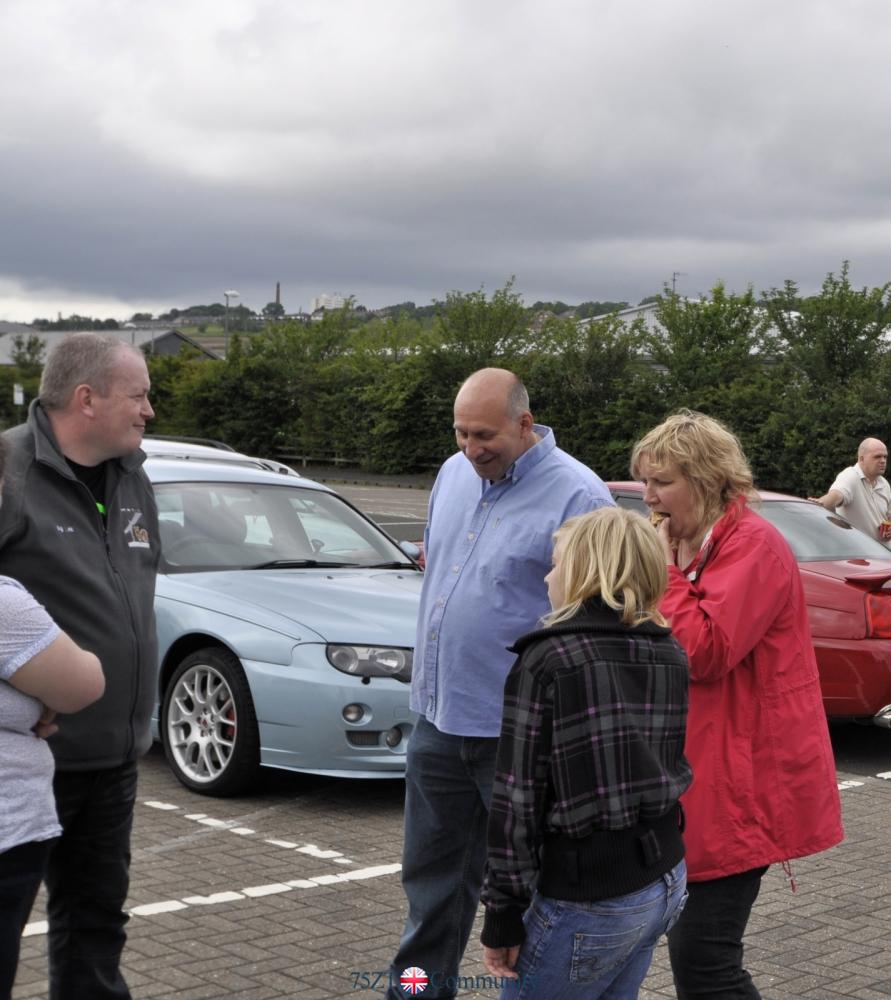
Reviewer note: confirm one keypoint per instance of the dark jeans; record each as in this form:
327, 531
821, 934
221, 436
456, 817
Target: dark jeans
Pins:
448, 788
705, 945
87, 879
21, 872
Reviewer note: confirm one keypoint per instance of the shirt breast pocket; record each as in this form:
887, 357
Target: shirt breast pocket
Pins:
516, 567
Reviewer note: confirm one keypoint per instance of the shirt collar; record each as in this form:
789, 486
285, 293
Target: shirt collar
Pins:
876, 485
532, 456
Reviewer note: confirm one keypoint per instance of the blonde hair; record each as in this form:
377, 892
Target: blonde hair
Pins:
614, 554
706, 453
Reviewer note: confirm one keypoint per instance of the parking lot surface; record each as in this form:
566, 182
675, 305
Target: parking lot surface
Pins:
292, 891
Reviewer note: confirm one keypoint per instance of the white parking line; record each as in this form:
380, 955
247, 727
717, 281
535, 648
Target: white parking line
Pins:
842, 785
251, 892
232, 826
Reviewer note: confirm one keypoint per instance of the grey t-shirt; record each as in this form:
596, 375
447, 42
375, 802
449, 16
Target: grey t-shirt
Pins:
27, 806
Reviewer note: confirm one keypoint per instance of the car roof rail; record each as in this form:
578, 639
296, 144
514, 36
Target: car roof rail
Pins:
207, 442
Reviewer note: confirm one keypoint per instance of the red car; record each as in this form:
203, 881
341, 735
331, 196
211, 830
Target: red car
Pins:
846, 577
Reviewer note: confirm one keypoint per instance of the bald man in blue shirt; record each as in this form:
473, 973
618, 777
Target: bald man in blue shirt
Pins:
493, 511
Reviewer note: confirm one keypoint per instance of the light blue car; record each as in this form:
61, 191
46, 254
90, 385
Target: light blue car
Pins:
286, 621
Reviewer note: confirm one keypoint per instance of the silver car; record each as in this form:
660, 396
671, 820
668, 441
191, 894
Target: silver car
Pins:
286, 621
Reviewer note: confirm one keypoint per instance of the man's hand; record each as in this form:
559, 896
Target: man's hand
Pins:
501, 961
829, 500
44, 727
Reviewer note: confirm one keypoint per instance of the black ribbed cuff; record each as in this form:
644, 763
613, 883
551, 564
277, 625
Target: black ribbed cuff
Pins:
503, 928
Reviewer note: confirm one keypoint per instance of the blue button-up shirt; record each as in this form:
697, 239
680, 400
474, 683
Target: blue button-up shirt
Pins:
488, 548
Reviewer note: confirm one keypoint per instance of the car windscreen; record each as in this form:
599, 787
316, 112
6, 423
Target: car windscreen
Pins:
816, 534
206, 526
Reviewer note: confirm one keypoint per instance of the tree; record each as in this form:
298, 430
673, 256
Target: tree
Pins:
244, 400
407, 414
273, 310
591, 381
483, 331
706, 346
28, 354
833, 336
588, 309
391, 338
836, 369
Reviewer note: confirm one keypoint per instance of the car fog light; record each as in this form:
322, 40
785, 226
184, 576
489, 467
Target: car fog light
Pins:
353, 713
393, 737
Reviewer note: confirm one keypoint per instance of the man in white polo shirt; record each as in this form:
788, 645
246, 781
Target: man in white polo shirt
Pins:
861, 494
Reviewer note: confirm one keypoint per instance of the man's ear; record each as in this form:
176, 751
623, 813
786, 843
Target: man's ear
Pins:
526, 422
82, 399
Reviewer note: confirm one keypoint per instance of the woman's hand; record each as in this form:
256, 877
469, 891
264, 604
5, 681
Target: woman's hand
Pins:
501, 961
669, 546
45, 726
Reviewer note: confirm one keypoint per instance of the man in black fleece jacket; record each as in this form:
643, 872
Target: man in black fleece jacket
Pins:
79, 528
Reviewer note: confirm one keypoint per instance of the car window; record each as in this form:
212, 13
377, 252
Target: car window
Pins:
241, 525
631, 502
816, 534
813, 533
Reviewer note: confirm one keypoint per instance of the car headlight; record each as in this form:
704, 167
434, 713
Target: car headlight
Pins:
371, 661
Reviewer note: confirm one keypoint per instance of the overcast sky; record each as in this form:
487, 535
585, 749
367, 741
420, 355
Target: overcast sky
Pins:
154, 154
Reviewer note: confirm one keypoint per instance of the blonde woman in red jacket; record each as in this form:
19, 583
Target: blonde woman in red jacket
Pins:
764, 787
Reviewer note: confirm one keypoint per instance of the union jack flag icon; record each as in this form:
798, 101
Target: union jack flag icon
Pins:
413, 981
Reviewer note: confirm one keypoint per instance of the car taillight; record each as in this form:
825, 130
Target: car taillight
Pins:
878, 615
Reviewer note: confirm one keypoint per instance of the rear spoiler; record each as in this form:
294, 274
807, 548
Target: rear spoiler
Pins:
869, 581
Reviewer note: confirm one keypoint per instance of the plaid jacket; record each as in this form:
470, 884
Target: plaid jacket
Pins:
592, 739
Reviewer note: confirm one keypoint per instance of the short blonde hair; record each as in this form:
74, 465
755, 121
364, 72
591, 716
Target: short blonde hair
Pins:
706, 453
614, 554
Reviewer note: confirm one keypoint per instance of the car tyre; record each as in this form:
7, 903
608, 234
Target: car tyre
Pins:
211, 738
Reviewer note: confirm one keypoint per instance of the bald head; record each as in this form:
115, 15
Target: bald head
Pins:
872, 457
494, 384
493, 425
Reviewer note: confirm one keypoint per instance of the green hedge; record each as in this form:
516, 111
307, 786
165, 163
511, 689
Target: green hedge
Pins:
800, 380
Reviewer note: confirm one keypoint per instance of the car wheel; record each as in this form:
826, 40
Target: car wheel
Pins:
210, 727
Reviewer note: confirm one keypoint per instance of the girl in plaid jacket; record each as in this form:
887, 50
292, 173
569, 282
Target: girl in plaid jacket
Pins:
585, 855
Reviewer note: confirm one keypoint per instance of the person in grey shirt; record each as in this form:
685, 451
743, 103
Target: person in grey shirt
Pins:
42, 671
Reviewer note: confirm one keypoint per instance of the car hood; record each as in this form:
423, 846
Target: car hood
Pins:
351, 606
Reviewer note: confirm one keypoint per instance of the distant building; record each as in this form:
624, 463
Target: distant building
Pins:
646, 313
151, 340
335, 301
15, 329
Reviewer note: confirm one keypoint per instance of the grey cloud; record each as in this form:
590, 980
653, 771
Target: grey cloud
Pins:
162, 153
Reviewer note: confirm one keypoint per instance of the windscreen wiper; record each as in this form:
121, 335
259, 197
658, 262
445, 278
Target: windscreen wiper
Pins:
390, 565
300, 564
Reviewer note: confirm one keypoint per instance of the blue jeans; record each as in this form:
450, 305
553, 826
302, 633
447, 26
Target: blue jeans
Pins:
706, 944
602, 949
87, 880
448, 788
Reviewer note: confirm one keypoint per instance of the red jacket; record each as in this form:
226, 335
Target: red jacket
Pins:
764, 784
